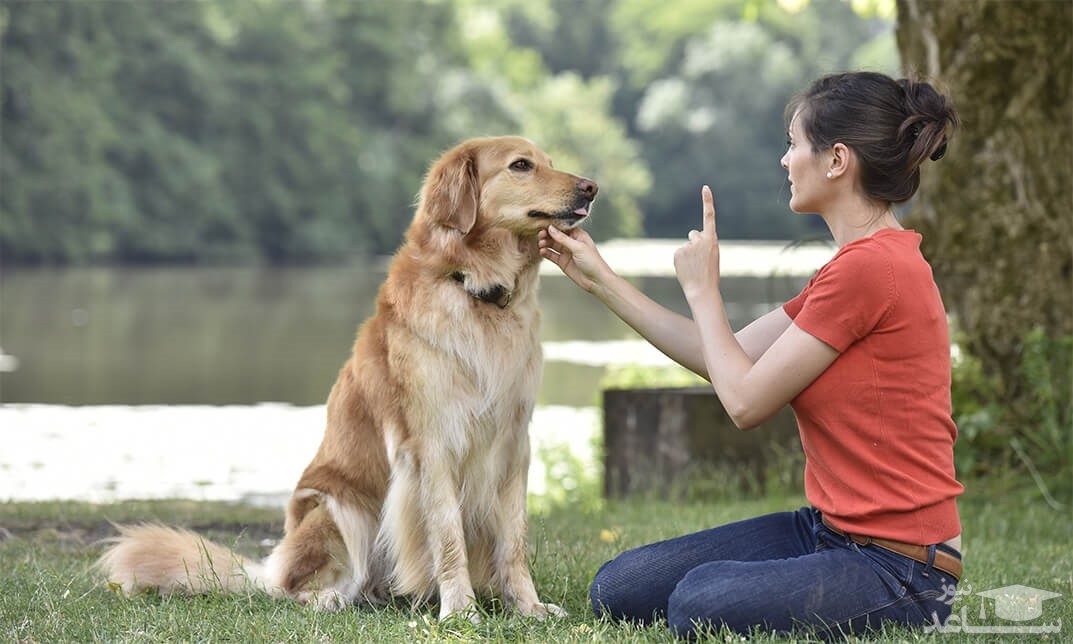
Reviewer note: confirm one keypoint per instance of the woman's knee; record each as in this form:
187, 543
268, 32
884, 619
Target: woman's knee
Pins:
619, 590
606, 591
705, 597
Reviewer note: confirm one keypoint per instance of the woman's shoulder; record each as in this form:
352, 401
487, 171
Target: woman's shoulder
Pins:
887, 248
872, 267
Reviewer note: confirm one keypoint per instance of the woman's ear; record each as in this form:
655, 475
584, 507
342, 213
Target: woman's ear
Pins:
841, 160
451, 194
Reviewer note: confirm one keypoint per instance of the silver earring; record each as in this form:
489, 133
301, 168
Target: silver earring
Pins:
829, 175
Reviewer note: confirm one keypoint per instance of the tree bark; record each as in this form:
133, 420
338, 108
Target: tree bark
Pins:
662, 442
996, 212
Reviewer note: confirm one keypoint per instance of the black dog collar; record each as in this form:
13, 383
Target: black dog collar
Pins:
497, 294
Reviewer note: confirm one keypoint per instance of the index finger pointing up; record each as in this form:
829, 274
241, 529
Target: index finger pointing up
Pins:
709, 209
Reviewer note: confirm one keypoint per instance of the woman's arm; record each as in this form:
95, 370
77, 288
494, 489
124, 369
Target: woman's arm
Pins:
751, 388
675, 335
754, 390
756, 338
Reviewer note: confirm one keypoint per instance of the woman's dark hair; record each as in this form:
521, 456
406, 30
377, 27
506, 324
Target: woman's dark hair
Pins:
891, 125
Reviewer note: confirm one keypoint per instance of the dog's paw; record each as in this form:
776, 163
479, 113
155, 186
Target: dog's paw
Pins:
467, 612
329, 600
540, 610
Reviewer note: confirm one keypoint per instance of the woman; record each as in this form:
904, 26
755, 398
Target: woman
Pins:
862, 355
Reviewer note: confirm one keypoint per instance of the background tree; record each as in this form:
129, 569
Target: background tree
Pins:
57, 202
569, 115
280, 131
701, 86
996, 216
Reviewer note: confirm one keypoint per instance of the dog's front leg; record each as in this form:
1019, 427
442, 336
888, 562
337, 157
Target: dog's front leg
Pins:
446, 538
511, 554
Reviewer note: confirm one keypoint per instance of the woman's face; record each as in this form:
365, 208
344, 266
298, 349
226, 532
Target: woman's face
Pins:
806, 171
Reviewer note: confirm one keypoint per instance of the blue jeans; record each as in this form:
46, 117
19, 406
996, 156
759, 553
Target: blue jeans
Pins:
777, 572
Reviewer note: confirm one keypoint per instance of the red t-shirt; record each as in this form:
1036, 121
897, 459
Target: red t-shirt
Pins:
876, 425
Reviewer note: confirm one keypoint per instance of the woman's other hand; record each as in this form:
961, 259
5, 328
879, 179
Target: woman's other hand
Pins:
575, 254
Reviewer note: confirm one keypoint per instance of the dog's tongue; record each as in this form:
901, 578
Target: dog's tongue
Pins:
582, 211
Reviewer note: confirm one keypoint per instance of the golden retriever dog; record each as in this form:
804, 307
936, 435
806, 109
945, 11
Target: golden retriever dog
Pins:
419, 486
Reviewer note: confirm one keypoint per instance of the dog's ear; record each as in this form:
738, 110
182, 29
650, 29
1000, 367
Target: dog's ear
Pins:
451, 191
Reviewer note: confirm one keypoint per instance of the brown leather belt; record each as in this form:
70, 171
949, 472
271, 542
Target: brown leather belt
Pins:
944, 561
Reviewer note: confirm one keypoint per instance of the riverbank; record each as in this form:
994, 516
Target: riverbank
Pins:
246, 453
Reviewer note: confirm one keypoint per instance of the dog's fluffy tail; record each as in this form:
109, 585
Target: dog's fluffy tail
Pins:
171, 560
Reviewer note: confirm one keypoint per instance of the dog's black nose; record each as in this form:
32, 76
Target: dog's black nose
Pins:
587, 188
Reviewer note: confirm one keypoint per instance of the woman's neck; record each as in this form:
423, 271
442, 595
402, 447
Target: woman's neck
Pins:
857, 218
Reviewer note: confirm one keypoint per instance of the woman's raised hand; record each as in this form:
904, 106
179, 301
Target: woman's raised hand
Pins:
697, 262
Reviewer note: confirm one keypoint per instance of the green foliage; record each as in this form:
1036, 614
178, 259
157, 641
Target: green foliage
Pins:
189, 155
701, 86
57, 202
636, 376
569, 115
652, 34
569, 481
714, 113
193, 131
976, 410
283, 131
1031, 434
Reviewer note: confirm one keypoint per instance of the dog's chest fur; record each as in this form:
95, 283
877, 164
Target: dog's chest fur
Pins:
469, 369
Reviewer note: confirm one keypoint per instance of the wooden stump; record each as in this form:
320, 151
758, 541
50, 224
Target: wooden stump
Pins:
655, 439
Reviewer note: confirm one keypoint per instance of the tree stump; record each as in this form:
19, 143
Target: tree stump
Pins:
655, 439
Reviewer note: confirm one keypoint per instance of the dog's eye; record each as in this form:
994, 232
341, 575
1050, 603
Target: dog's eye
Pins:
522, 165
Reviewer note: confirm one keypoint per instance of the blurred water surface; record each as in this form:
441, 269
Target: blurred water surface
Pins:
243, 335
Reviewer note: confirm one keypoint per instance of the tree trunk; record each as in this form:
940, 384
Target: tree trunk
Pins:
666, 442
996, 212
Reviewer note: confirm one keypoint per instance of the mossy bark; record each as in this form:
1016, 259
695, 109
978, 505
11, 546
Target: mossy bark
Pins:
997, 212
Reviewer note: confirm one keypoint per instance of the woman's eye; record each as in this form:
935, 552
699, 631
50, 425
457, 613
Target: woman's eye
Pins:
789, 143
521, 164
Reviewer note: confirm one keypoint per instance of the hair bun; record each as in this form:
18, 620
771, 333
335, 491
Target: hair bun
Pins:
928, 116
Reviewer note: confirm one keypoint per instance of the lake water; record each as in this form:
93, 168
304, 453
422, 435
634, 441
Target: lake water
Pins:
113, 381
137, 336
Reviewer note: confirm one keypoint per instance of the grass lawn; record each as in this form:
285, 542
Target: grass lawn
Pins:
50, 593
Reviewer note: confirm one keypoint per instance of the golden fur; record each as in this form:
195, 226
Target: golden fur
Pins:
419, 485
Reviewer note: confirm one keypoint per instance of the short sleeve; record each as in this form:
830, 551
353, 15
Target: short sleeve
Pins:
793, 307
847, 298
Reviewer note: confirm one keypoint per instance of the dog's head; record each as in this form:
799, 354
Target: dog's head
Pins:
503, 182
